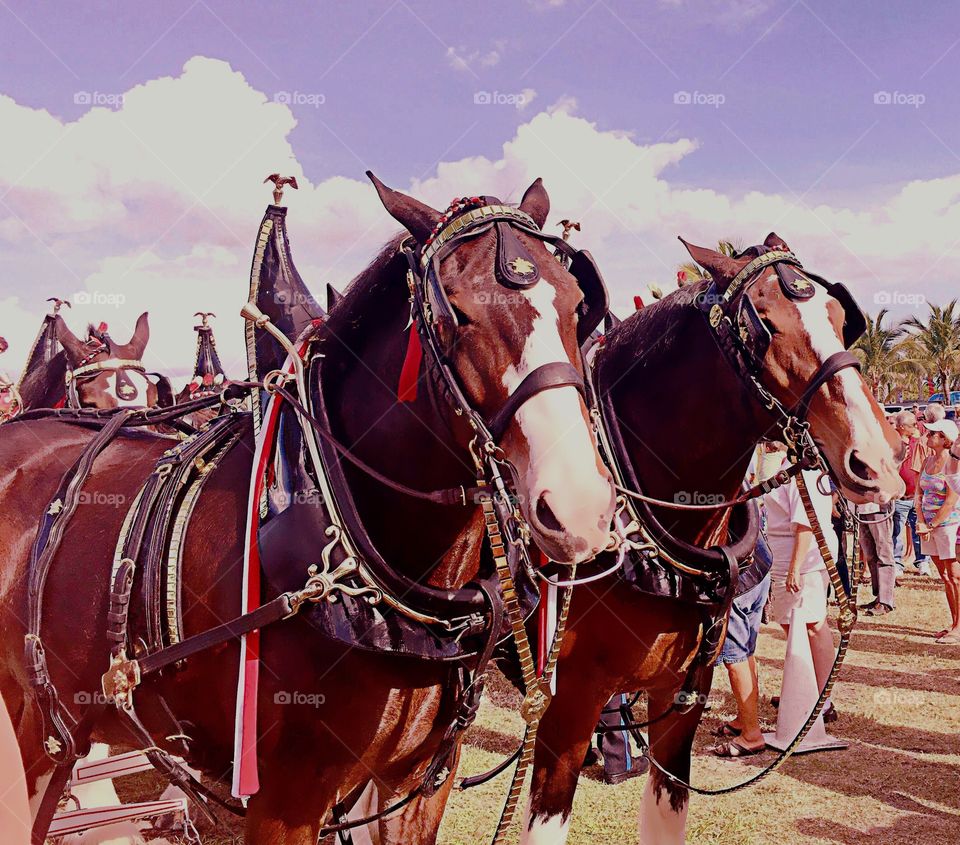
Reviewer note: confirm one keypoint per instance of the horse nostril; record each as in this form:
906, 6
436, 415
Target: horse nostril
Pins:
859, 469
545, 515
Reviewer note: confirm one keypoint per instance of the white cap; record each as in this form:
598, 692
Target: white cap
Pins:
946, 427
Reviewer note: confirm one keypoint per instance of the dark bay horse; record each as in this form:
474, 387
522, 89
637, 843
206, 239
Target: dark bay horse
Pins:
690, 423
98, 380
331, 716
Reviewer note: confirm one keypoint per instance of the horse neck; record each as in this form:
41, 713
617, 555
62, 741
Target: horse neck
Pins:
420, 444
688, 420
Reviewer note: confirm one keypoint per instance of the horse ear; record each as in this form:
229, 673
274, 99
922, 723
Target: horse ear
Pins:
418, 219
141, 336
71, 344
774, 241
536, 202
721, 267
333, 297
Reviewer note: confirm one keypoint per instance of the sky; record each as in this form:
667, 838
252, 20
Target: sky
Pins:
134, 139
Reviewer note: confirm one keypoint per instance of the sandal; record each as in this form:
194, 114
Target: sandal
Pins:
942, 633
733, 750
727, 730
948, 639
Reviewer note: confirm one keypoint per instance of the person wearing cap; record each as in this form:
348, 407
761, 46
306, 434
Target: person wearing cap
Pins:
905, 514
938, 515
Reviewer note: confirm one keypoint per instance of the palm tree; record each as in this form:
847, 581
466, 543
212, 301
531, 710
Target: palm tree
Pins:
935, 345
880, 356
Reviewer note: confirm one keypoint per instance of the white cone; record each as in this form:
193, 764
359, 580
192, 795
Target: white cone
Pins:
799, 694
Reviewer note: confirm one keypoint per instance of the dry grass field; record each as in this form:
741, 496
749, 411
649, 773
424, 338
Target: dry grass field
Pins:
897, 784
899, 781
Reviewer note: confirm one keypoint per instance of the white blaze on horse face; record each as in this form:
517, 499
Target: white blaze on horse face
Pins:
139, 380
866, 437
659, 823
563, 465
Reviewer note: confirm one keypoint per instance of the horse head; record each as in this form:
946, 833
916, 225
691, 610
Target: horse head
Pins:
102, 373
793, 329
504, 312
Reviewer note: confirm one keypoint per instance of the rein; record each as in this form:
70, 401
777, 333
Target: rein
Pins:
461, 495
845, 622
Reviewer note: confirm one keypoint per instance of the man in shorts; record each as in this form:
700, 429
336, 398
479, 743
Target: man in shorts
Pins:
742, 736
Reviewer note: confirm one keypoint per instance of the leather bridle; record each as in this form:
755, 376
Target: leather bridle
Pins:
429, 304
735, 327
117, 365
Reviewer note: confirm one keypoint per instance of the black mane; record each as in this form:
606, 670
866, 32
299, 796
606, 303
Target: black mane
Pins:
655, 329
371, 289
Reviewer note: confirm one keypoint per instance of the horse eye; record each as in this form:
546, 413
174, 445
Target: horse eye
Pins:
769, 326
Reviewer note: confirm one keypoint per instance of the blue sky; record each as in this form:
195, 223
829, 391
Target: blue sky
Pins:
798, 77
786, 111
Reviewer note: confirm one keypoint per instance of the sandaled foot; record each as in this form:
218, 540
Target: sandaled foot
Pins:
950, 638
727, 730
735, 748
942, 633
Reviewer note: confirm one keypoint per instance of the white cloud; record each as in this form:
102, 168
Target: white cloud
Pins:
565, 104
459, 58
158, 201
527, 96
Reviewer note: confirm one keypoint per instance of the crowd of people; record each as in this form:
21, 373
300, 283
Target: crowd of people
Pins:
915, 531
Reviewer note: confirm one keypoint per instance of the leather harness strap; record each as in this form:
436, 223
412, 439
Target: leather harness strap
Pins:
828, 369
462, 495
546, 377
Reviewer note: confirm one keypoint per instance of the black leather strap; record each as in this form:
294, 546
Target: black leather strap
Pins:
61, 774
833, 365
267, 614
462, 495
547, 377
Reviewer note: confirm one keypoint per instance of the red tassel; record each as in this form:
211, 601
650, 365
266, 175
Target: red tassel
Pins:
410, 374
637, 303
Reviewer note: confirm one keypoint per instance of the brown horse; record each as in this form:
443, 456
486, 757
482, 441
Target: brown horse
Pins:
102, 373
331, 716
670, 386
47, 380
689, 422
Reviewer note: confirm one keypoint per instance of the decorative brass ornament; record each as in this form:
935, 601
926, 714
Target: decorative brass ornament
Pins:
716, 315
522, 267
55, 507
325, 583
535, 703
120, 680
801, 285
53, 745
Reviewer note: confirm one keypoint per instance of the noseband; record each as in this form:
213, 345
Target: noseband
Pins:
743, 338
515, 269
118, 365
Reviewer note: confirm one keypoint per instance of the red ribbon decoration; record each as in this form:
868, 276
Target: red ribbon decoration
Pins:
410, 374
638, 302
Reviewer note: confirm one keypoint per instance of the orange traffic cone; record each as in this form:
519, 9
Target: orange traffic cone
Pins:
798, 695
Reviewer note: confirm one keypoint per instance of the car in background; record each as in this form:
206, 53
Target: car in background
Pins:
954, 398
